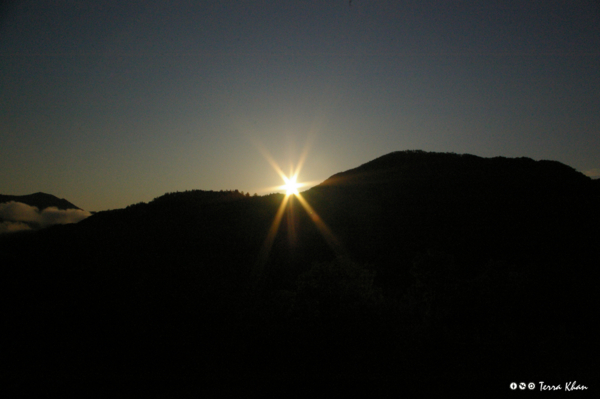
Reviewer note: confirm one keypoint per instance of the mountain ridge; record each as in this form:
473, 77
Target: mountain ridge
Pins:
414, 158
420, 264
39, 200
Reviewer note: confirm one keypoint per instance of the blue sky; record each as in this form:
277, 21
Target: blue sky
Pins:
110, 103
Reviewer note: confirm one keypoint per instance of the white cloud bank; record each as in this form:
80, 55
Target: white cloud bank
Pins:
16, 215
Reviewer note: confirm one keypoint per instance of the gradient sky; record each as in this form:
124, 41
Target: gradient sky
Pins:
109, 103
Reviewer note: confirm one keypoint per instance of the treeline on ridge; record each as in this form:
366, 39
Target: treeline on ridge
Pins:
448, 266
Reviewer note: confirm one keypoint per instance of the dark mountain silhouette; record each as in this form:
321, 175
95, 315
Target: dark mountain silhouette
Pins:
477, 208
19, 214
39, 200
412, 266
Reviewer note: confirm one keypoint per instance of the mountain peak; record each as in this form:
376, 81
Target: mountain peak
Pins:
420, 165
39, 200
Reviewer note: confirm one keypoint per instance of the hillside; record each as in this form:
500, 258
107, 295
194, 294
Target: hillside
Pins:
39, 200
516, 210
420, 265
24, 213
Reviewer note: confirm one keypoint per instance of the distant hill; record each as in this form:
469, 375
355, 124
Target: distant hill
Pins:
39, 200
464, 204
412, 266
23, 213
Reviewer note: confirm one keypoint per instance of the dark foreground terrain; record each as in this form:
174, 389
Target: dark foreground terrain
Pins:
413, 267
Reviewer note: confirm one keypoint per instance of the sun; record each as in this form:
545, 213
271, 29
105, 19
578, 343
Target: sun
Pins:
291, 186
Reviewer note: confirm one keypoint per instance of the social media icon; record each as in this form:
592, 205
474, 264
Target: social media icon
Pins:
522, 385
531, 386
513, 385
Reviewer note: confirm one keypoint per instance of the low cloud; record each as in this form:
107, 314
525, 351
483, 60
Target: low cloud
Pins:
19, 212
10, 227
19, 216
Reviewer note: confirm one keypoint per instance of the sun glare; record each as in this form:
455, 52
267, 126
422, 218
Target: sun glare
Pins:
291, 186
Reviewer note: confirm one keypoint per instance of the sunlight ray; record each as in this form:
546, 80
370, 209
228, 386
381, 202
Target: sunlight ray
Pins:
266, 249
303, 156
291, 187
325, 231
269, 159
